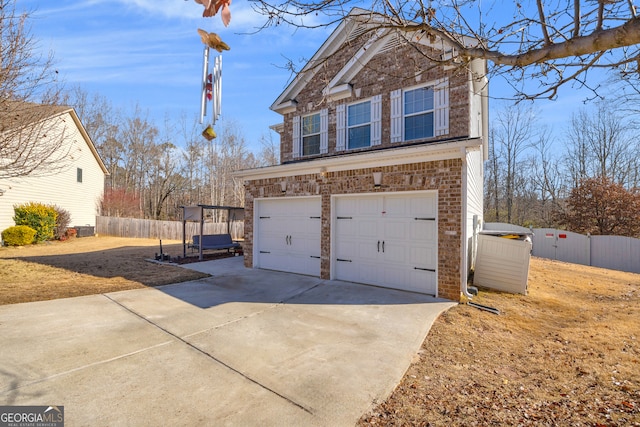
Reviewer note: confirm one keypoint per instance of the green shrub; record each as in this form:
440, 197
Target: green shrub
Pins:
63, 219
38, 216
18, 235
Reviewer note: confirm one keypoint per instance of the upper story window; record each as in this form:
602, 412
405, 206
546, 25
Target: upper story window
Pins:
311, 134
359, 125
78, 174
418, 113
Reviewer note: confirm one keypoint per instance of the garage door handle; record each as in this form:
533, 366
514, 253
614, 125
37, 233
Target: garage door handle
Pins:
343, 260
383, 246
425, 219
378, 245
433, 270
265, 252
313, 256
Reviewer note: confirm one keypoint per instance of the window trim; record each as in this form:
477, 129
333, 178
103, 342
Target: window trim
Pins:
303, 136
404, 116
369, 123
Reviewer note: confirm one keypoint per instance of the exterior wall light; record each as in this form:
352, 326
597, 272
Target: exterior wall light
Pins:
283, 186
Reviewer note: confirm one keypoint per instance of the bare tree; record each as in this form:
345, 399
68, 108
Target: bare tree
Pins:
547, 178
550, 43
32, 131
513, 133
601, 143
270, 152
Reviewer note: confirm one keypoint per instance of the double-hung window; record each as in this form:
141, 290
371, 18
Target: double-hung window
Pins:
418, 113
311, 134
359, 125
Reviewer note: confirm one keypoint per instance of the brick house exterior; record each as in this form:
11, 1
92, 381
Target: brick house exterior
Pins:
371, 102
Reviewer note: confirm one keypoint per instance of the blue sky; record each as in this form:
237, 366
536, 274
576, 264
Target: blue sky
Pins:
148, 52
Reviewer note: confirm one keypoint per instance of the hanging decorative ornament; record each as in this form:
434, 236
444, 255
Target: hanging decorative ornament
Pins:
211, 7
209, 133
209, 87
213, 40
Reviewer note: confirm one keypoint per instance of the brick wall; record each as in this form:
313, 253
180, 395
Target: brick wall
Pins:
385, 72
444, 176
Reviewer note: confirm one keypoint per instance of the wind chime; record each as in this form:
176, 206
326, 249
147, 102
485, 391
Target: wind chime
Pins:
212, 79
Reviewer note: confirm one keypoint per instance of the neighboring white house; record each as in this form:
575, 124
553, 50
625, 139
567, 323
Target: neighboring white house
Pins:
77, 186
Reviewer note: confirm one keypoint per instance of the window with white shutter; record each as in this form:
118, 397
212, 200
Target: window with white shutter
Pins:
420, 112
296, 137
396, 115
341, 127
376, 120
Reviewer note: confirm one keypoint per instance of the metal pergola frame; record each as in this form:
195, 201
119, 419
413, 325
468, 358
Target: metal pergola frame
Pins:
196, 213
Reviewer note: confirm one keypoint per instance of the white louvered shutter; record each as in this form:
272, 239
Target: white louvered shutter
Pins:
376, 120
324, 131
341, 127
396, 115
441, 107
296, 137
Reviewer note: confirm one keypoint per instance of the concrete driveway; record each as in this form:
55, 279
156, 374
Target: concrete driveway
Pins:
243, 347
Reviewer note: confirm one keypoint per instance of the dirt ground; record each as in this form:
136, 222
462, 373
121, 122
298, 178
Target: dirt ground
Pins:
566, 354
85, 266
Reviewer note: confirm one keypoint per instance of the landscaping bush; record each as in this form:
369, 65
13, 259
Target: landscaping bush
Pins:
63, 219
38, 216
18, 235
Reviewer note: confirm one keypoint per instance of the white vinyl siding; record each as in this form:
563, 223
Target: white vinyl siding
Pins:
62, 188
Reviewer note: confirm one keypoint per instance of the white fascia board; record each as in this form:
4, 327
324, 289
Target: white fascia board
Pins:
285, 107
389, 157
359, 60
328, 48
337, 93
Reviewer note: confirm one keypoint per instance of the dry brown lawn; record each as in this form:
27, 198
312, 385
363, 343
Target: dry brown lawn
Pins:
85, 266
566, 354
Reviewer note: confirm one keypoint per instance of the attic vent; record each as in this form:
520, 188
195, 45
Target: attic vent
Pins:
357, 31
393, 42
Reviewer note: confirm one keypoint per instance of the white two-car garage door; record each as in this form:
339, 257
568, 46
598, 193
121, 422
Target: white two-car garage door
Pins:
387, 240
288, 234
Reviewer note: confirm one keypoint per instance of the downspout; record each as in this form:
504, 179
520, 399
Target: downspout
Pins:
463, 246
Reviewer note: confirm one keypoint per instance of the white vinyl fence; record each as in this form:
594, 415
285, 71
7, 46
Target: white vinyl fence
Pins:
612, 252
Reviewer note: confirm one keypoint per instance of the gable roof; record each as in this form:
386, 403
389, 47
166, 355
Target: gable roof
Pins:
15, 114
358, 25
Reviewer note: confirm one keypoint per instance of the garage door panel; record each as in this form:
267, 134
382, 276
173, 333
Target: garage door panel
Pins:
424, 206
395, 229
367, 229
423, 257
395, 244
288, 235
423, 230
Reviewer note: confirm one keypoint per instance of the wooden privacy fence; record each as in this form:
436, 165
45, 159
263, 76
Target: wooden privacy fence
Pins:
169, 230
